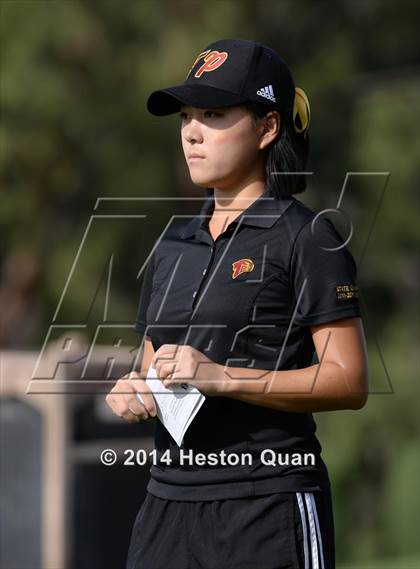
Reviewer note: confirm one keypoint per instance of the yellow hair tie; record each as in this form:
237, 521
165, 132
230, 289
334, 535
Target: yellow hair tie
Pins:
301, 112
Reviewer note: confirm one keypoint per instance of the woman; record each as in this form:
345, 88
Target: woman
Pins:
236, 302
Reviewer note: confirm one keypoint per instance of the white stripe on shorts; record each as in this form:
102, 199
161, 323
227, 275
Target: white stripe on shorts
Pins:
303, 517
318, 530
311, 530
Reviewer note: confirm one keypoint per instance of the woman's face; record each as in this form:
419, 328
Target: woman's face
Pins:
228, 142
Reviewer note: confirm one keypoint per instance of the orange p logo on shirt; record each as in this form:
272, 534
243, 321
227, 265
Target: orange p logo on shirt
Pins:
242, 266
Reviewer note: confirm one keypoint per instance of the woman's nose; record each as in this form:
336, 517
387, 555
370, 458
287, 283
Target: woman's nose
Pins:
192, 131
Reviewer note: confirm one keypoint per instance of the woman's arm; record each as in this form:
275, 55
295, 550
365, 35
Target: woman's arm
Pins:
148, 353
339, 381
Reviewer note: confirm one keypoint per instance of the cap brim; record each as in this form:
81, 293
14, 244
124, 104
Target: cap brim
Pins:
170, 100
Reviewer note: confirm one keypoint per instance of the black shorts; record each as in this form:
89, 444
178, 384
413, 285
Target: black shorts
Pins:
277, 531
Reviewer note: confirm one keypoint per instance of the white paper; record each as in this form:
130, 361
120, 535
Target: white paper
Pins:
176, 407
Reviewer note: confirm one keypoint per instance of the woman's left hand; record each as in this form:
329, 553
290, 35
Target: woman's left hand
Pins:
176, 364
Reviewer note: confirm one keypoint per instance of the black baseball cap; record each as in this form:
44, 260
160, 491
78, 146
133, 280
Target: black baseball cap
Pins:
235, 71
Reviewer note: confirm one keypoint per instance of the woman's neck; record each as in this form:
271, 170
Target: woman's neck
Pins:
232, 202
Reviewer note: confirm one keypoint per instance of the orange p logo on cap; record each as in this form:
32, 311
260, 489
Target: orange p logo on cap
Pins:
212, 60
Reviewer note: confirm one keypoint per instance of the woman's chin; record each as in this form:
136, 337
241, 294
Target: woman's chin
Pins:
202, 181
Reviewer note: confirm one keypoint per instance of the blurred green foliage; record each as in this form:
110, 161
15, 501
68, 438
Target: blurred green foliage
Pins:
73, 85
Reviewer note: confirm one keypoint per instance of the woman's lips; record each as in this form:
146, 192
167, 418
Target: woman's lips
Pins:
195, 158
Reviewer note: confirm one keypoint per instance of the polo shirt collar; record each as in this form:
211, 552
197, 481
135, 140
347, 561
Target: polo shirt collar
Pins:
263, 212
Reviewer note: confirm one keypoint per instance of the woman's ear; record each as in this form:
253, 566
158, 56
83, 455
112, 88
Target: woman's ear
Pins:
269, 128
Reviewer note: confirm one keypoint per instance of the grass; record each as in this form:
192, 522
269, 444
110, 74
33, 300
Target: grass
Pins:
400, 563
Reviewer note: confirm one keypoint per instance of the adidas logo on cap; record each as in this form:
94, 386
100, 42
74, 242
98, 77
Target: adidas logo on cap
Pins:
267, 92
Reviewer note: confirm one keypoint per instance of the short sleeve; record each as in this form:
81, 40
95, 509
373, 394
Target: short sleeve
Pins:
145, 294
323, 275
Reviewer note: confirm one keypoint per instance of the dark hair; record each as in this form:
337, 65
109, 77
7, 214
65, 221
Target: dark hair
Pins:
289, 153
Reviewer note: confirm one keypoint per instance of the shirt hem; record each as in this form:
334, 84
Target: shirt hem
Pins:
243, 489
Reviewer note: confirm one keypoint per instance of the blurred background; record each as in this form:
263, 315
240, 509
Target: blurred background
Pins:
88, 181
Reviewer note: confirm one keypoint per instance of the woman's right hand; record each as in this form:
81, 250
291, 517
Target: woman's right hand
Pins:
123, 401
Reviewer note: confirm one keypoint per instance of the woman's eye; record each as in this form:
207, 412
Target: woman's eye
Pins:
182, 115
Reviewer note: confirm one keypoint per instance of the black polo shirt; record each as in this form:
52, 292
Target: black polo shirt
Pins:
246, 299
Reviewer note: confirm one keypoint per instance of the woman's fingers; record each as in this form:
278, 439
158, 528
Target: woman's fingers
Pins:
146, 394
131, 417
116, 399
124, 402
